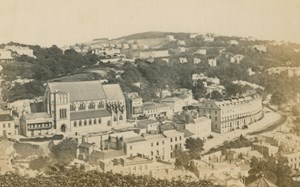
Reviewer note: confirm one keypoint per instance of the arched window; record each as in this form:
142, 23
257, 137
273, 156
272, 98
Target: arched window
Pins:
100, 104
115, 118
90, 122
75, 123
85, 122
121, 117
108, 123
82, 106
80, 123
73, 107
95, 121
92, 105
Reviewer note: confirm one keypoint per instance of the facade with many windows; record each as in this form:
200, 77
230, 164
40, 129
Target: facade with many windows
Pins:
83, 107
7, 125
233, 114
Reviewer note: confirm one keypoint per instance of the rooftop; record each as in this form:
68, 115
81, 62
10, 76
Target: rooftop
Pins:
80, 91
6, 117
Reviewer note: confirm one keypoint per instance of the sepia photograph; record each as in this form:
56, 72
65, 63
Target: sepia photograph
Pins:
150, 93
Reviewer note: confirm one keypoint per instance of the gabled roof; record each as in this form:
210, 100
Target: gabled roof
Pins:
80, 91
113, 92
261, 182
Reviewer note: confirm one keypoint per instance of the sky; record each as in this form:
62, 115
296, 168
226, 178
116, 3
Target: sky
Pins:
66, 22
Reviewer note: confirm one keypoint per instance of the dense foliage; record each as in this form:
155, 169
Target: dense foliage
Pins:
274, 169
76, 177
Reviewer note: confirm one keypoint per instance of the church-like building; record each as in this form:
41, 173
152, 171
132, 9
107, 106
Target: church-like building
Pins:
82, 107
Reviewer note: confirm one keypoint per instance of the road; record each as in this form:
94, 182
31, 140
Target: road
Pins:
269, 118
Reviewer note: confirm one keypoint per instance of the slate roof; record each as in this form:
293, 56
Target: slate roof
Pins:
6, 117
113, 92
80, 91
89, 114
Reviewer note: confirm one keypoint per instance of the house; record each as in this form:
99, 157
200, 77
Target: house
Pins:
36, 124
212, 62
125, 46
153, 54
20, 50
200, 126
260, 48
182, 60
237, 59
5, 56
208, 38
148, 126
7, 125
137, 165
182, 49
181, 42
261, 182
171, 38
153, 110
197, 61
193, 35
233, 42
201, 51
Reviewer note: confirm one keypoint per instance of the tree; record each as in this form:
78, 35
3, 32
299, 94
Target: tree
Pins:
274, 169
182, 161
278, 98
215, 95
38, 163
194, 145
65, 151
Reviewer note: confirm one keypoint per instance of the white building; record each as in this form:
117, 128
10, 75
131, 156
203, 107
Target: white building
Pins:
200, 127
20, 50
171, 38
201, 52
260, 48
237, 59
181, 42
7, 125
5, 56
229, 115
153, 54
212, 62
234, 42
197, 61
208, 38
182, 49
182, 60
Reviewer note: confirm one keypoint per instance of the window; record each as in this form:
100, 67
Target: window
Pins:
3, 125
157, 143
92, 105
151, 144
63, 113
163, 142
130, 147
108, 123
115, 118
81, 106
8, 125
80, 123
95, 121
85, 122
75, 124
175, 139
179, 137
90, 122
171, 140
73, 107
151, 153
216, 118
121, 117
101, 104
99, 120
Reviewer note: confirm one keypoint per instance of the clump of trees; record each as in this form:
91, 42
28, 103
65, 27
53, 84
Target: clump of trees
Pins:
65, 151
275, 169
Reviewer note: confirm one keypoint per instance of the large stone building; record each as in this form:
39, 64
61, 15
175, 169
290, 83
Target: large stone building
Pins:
233, 114
84, 107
